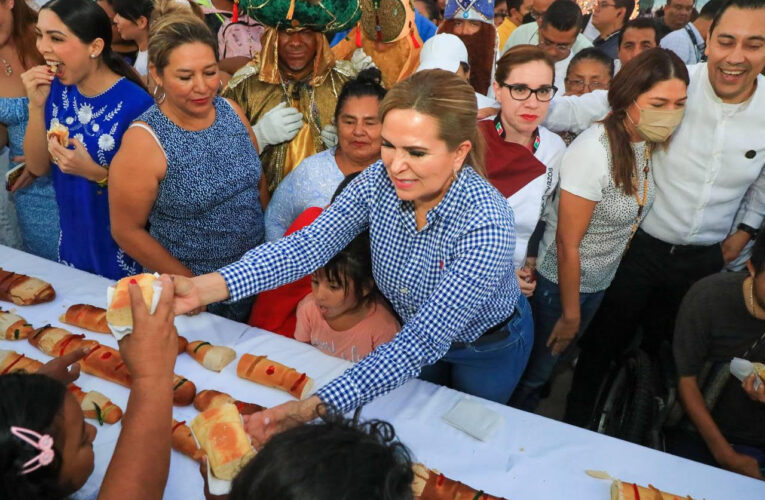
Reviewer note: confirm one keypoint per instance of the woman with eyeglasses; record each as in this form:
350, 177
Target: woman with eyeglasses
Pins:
606, 188
589, 70
523, 157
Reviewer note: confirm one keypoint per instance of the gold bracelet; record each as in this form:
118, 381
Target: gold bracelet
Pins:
103, 182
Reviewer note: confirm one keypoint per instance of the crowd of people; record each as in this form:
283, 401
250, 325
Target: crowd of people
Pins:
467, 192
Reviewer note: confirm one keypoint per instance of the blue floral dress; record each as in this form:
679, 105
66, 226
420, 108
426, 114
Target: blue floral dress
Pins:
36, 208
98, 122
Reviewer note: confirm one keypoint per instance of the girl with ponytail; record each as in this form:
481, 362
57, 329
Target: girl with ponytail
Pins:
94, 94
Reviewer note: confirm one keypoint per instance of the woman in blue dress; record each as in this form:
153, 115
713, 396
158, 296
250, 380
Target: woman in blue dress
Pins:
193, 203
95, 94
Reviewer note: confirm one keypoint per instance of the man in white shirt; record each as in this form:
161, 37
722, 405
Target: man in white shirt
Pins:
688, 42
529, 33
712, 165
557, 34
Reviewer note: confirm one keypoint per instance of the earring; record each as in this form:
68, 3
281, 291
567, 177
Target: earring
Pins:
92, 56
161, 99
220, 87
455, 174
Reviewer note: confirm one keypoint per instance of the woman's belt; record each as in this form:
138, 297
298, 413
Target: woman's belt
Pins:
494, 334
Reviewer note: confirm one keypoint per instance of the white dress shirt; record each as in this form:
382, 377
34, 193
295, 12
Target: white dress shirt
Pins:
706, 171
679, 42
529, 34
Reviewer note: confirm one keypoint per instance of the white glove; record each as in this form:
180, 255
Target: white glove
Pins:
361, 61
329, 136
279, 125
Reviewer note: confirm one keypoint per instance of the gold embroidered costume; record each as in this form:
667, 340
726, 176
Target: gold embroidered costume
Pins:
388, 35
260, 86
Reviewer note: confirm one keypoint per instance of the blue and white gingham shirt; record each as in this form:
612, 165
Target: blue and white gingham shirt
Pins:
450, 281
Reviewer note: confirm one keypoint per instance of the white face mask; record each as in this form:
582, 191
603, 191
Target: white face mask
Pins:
656, 125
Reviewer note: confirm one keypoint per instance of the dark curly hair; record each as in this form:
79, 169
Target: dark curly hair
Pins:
333, 459
34, 402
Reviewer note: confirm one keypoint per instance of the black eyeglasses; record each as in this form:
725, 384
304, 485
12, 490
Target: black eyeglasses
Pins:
521, 92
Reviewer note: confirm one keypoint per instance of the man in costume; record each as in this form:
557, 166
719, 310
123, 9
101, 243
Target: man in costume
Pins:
289, 90
473, 22
388, 35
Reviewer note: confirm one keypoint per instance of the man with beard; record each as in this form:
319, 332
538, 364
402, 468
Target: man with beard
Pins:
712, 167
528, 34
473, 22
289, 90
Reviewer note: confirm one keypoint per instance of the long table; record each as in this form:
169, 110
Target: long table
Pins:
528, 457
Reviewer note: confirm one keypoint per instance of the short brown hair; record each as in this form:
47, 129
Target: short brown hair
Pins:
169, 32
518, 55
447, 98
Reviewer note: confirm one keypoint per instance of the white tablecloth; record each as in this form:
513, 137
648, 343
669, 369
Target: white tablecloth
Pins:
530, 457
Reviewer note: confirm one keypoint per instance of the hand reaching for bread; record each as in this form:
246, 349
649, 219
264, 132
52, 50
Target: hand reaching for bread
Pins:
151, 350
263, 424
66, 368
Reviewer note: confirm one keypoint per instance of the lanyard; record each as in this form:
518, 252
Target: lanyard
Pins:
501, 132
698, 47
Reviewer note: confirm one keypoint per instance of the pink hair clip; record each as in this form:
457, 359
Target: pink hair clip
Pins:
44, 443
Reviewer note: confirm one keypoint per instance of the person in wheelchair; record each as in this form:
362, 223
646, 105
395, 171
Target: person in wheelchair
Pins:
721, 317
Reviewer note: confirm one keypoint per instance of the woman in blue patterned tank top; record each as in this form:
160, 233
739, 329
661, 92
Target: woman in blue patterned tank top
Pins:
95, 95
191, 204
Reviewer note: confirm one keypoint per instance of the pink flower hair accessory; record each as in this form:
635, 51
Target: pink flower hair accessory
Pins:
42, 442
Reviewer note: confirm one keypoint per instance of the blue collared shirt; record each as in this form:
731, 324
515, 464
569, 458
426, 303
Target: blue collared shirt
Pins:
450, 281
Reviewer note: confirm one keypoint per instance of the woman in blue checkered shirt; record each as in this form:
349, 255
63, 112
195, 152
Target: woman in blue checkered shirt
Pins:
442, 242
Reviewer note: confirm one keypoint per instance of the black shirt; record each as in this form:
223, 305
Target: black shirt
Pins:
714, 325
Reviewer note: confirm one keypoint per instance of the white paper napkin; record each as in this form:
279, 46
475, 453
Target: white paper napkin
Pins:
121, 331
741, 369
472, 417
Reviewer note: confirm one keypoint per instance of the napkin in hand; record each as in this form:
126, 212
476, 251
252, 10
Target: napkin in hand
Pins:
742, 368
472, 417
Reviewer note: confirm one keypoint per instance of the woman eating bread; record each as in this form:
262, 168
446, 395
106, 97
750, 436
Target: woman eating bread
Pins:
442, 241
80, 103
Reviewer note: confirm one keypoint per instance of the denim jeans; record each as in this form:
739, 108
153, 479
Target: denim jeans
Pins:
547, 310
490, 371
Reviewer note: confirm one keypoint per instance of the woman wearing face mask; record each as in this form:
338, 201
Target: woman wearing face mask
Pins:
441, 239
606, 188
312, 183
95, 94
193, 202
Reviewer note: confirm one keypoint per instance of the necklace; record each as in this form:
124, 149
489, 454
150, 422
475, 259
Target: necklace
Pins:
8, 68
641, 201
751, 298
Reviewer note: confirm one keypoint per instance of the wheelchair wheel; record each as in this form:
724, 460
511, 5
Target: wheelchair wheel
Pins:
624, 408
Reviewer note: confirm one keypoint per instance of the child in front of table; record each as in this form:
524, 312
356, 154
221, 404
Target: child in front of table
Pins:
46, 447
344, 315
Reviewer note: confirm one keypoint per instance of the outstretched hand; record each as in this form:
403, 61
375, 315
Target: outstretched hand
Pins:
151, 350
262, 425
65, 369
